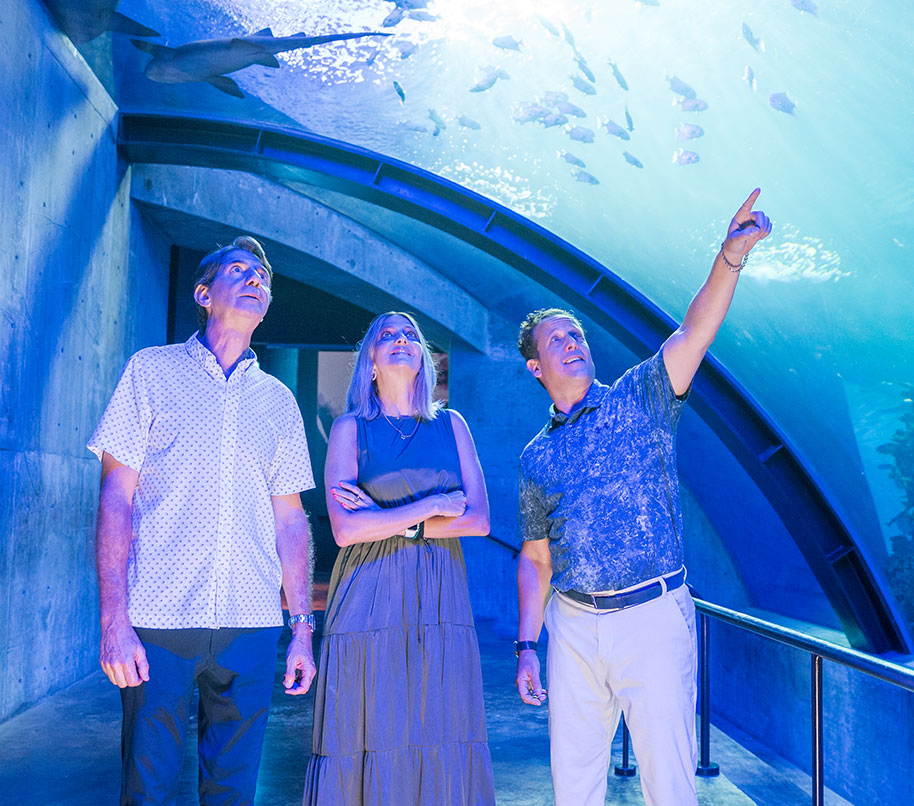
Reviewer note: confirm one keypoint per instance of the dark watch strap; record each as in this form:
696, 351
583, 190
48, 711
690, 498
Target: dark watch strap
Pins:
521, 645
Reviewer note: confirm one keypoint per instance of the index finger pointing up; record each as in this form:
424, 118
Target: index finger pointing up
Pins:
747, 205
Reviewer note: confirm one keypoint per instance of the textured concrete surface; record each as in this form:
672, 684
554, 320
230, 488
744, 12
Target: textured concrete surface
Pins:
77, 298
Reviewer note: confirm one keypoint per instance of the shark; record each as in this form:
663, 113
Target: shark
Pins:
84, 21
210, 59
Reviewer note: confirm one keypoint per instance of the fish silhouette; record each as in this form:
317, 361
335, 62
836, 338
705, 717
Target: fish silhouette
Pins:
84, 21
682, 157
752, 40
629, 123
679, 86
435, 118
582, 65
581, 134
749, 78
782, 103
468, 123
583, 86
805, 5
492, 75
568, 108
620, 79
689, 131
693, 104
506, 43
583, 176
632, 160
571, 159
616, 130
209, 59
400, 92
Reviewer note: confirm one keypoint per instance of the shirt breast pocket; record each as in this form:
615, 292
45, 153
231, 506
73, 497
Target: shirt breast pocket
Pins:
164, 432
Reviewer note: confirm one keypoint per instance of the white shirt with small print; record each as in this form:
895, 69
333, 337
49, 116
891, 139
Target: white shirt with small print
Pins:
210, 452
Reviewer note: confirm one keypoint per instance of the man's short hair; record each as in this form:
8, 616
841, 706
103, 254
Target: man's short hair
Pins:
210, 265
526, 342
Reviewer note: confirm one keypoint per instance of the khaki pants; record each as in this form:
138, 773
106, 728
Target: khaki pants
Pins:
641, 661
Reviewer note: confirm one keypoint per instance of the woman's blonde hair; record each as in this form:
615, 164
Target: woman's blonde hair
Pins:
362, 398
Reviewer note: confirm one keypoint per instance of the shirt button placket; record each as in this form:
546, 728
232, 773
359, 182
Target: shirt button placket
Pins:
226, 464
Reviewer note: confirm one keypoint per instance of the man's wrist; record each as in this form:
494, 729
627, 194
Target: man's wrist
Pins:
300, 621
524, 646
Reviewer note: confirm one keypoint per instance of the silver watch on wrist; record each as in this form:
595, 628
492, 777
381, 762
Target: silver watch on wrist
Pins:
302, 618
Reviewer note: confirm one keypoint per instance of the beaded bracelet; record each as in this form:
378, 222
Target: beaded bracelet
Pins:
735, 268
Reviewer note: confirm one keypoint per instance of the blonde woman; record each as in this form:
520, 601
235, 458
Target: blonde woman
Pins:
398, 715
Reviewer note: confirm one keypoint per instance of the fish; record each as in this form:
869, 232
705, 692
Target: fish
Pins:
422, 16
435, 118
648, 2
506, 43
689, 131
749, 78
583, 176
406, 48
752, 40
548, 26
524, 113
568, 37
550, 97
620, 79
581, 134
394, 18
682, 157
553, 119
583, 86
492, 74
632, 160
782, 103
468, 123
693, 104
400, 92
615, 129
84, 21
571, 159
582, 65
209, 59
679, 86
629, 124
805, 5
568, 108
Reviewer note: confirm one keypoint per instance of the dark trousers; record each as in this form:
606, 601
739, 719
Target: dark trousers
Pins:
234, 670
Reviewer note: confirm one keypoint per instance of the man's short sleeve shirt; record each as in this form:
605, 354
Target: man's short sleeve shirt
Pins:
601, 484
210, 452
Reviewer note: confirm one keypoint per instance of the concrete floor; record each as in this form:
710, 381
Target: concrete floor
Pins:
65, 751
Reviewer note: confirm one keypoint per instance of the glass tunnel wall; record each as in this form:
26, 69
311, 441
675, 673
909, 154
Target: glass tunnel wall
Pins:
632, 130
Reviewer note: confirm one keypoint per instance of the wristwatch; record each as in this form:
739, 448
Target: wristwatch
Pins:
521, 645
302, 618
414, 532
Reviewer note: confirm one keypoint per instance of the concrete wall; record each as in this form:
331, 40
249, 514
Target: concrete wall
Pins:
67, 322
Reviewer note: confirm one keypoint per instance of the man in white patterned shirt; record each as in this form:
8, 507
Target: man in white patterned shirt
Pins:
199, 524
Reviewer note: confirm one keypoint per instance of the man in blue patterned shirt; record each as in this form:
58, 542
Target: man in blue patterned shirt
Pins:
602, 526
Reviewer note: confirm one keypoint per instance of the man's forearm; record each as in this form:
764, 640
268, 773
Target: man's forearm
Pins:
113, 535
709, 307
532, 592
293, 544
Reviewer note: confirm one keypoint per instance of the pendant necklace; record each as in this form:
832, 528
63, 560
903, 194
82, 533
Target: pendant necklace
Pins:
402, 435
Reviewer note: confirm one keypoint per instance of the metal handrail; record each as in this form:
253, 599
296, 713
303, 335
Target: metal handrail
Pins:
819, 649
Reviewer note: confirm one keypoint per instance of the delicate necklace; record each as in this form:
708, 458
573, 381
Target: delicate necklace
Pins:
402, 435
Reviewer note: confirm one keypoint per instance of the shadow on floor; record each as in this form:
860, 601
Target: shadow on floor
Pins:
66, 749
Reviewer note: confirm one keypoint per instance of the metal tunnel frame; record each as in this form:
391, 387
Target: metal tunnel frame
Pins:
836, 557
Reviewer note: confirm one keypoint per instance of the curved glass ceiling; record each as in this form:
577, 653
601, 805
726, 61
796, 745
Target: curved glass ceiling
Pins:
632, 130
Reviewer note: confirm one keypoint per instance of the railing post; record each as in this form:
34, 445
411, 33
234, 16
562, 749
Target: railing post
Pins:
818, 750
625, 769
706, 768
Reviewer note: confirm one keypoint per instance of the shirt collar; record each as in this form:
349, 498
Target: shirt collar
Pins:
594, 398
197, 350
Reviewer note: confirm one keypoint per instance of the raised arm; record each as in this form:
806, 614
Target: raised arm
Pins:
684, 350
293, 544
534, 573
368, 522
121, 653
